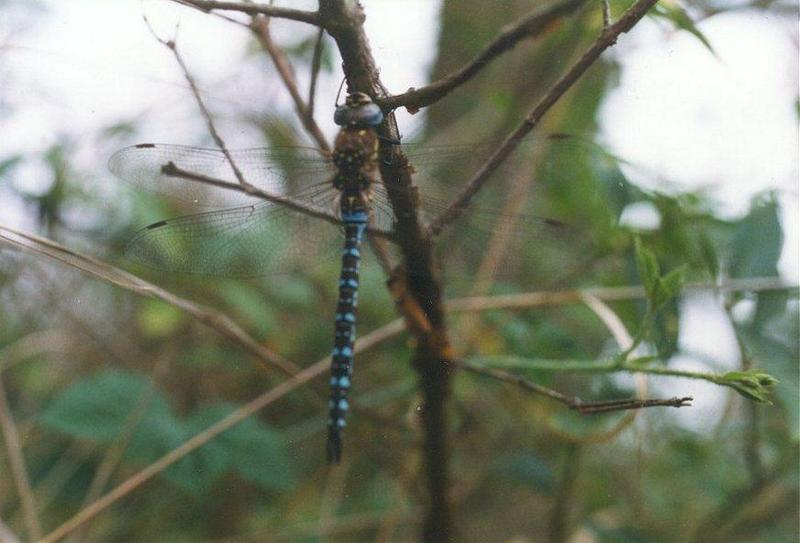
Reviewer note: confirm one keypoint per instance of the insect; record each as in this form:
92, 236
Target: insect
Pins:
296, 186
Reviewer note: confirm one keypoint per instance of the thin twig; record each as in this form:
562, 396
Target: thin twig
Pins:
214, 319
242, 413
260, 27
531, 25
606, 14
608, 294
610, 319
573, 402
606, 39
316, 65
172, 46
633, 366
310, 17
16, 460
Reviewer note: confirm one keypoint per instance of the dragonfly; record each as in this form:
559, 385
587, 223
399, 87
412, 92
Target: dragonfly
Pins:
288, 193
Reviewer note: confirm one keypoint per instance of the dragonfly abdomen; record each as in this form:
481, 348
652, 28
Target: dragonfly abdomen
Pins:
355, 223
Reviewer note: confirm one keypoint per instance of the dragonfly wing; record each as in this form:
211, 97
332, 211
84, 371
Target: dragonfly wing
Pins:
282, 170
244, 241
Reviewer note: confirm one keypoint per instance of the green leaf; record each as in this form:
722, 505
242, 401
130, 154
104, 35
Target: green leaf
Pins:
528, 469
754, 384
669, 286
678, 16
648, 269
757, 241
97, 408
251, 449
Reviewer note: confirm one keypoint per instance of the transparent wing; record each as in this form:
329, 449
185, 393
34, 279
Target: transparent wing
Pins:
243, 241
283, 170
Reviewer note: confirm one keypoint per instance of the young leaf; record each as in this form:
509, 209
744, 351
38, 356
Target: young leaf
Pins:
754, 384
669, 286
678, 16
648, 268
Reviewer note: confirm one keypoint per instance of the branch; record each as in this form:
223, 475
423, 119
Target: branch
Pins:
260, 27
170, 44
216, 320
310, 17
753, 385
242, 413
607, 38
608, 294
573, 402
532, 25
422, 291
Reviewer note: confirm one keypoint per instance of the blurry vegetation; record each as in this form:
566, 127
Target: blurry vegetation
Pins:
89, 368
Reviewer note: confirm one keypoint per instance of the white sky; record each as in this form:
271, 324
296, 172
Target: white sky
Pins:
85, 64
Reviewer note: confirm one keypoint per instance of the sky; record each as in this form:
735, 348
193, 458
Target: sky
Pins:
81, 65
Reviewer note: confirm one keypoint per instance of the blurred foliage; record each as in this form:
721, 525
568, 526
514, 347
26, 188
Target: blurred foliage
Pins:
88, 367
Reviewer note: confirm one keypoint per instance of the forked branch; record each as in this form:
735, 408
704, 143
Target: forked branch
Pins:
607, 38
532, 25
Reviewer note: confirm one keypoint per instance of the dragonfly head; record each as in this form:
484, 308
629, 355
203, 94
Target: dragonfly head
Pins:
358, 111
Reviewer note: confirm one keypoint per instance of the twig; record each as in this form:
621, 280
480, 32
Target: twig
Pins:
171, 45
242, 413
310, 17
606, 14
260, 27
607, 38
216, 320
573, 402
608, 294
532, 25
316, 65
603, 366
17, 466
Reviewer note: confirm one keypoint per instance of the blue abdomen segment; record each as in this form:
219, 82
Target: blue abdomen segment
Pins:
355, 223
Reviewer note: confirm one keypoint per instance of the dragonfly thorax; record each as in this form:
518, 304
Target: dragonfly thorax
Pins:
355, 156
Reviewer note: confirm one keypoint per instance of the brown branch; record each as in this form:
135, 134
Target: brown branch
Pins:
260, 27
310, 17
242, 413
607, 38
608, 294
16, 460
534, 24
421, 291
216, 320
573, 402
